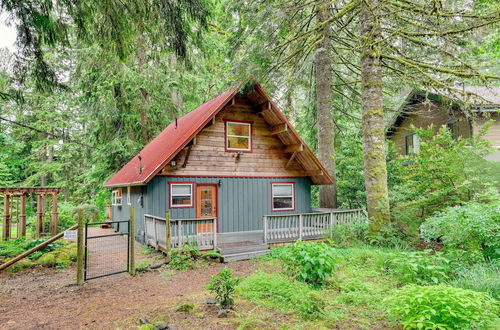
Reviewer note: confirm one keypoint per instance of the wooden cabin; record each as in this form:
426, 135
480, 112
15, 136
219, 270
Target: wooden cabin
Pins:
422, 109
233, 172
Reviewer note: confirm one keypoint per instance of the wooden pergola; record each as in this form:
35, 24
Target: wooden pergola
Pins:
22, 192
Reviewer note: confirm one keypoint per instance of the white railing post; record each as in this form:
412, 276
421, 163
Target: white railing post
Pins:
179, 233
301, 225
145, 230
215, 232
156, 234
265, 229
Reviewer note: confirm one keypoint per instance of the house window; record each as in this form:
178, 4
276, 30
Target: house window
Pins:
283, 196
129, 192
412, 144
238, 136
181, 195
452, 126
116, 197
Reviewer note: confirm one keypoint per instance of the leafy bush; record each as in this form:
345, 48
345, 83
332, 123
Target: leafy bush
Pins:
90, 212
184, 257
387, 236
349, 234
418, 267
442, 307
278, 292
223, 285
472, 227
482, 277
18, 246
311, 263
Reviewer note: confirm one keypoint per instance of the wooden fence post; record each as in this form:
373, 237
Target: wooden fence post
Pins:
22, 217
265, 229
53, 218
131, 237
39, 215
301, 226
6, 216
168, 235
80, 249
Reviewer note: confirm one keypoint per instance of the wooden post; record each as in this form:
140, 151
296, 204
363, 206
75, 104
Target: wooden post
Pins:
265, 229
6, 216
179, 233
80, 259
168, 238
22, 217
300, 226
131, 237
215, 232
39, 215
53, 218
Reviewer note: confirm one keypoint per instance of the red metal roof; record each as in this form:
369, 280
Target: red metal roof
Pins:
157, 153
163, 148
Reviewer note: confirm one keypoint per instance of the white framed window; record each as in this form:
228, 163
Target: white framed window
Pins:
238, 136
116, 197
129, 197
412, 144
181, 194
283, 196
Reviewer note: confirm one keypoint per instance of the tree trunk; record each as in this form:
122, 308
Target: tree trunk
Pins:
324, 123
377, 197
144, 104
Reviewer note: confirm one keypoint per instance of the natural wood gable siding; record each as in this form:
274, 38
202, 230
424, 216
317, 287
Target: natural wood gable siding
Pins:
493, 134
207, 155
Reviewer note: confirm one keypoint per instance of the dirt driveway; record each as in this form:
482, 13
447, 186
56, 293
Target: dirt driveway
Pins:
47, 298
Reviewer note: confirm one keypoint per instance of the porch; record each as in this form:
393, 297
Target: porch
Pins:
243, 245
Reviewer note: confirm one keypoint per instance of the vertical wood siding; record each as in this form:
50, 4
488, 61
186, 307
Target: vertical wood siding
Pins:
241, 201
122, 212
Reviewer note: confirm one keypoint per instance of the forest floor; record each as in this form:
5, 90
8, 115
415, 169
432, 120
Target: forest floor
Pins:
42, 298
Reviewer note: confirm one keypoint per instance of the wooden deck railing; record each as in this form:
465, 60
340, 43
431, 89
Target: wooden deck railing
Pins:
201, 232
292, 227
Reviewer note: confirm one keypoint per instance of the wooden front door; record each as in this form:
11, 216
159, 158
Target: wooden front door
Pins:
206, 205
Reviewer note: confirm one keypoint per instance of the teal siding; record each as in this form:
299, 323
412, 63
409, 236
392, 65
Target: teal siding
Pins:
122, 212
242, 202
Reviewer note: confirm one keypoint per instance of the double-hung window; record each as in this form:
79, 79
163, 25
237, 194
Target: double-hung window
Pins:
412, 144
238, 136
116, 197
181, 195
283, 196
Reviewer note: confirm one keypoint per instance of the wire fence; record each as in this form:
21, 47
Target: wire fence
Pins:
106, 251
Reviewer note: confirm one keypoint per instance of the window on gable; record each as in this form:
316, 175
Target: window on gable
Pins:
116, 197
412, 144
181, 195
452, 126
238, 136
283, 196
129, 197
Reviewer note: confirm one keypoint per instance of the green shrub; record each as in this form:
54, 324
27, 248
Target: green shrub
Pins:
90, 212
418, 267
345, 235
223, 286
278, 292
183, 258
311, 263
442, 307
471, 227
483, 277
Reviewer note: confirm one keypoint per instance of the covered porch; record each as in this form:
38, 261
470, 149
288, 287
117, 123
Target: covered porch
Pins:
276, 229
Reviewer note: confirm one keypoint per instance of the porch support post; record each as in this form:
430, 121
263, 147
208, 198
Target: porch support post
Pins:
179, 232
53, 218
301, 225
6, 216
168, 238
215, 232
39, 215
22, 217
265, 229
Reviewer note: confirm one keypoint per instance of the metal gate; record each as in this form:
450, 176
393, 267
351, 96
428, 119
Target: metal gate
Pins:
107, 251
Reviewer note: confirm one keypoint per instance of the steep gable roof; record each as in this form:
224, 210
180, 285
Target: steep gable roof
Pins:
163, 148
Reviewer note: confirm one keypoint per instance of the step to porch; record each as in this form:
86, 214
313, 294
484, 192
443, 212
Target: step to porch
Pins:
242, 250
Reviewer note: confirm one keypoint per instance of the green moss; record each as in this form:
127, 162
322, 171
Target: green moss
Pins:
47, 260
185, 307
21, 265
147, 327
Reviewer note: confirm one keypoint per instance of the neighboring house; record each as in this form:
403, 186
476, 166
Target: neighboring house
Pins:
232, 170
463, 118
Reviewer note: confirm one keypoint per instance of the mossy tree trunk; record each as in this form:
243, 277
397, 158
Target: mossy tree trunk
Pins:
324, 122
375, 174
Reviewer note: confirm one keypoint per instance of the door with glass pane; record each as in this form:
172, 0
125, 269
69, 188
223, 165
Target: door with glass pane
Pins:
206, 205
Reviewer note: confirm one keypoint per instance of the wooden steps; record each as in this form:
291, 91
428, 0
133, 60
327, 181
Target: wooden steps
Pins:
244, 251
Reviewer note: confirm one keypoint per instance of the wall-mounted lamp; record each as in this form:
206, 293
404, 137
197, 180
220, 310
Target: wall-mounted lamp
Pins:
173, 163
219, 183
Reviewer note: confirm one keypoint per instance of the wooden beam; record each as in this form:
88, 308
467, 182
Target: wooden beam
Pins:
266, 106
314, 172
54, 215
292, 148
186, 158
22, 217
291, 159
6, 216
277, 129
39, 215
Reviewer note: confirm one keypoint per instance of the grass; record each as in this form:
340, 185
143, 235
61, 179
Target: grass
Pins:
483, 277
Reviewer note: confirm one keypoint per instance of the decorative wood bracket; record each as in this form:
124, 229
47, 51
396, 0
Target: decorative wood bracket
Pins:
277, 129
314, 172
292, 148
